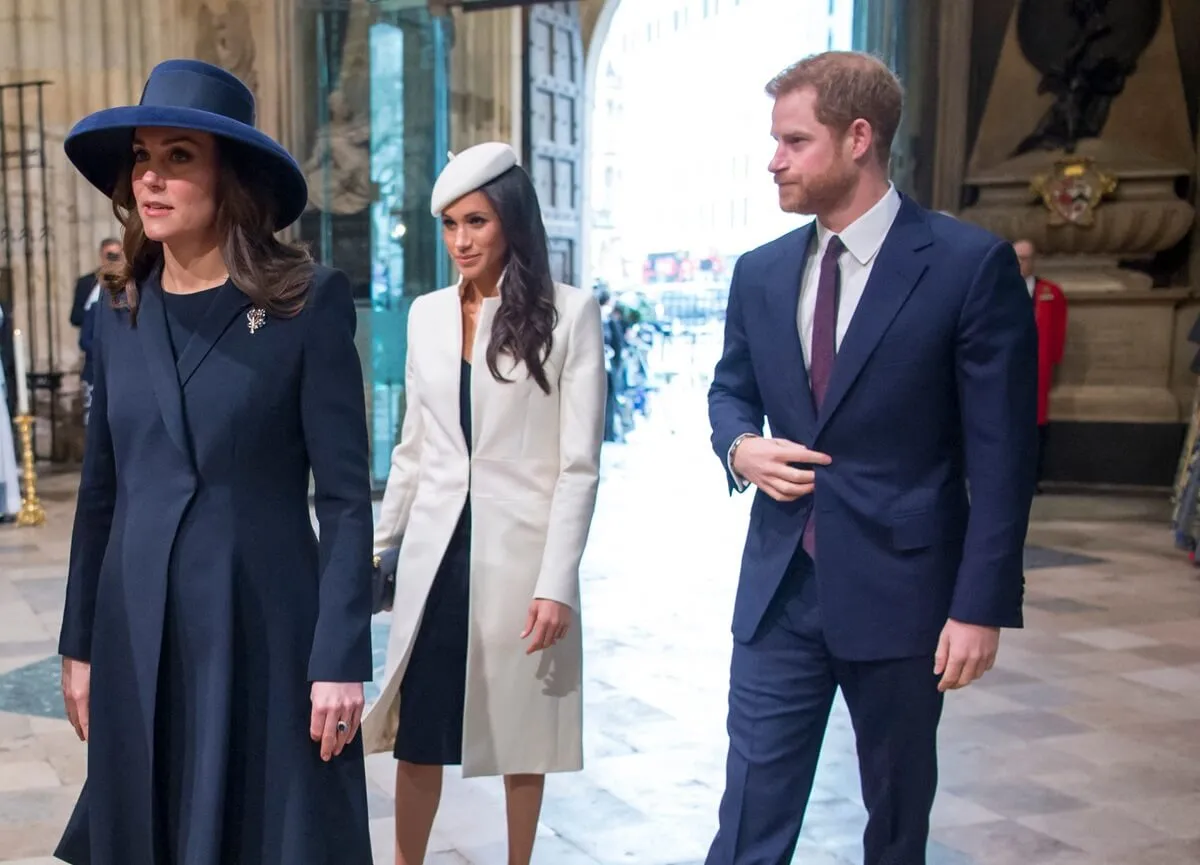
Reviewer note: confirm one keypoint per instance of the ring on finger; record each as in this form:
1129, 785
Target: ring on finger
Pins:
342, 727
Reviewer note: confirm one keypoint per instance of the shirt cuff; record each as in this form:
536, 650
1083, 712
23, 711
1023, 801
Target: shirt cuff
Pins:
739, 482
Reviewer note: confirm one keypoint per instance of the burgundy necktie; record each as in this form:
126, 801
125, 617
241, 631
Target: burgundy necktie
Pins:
824, 348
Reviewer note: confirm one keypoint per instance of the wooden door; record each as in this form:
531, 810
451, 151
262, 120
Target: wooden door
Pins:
553, 133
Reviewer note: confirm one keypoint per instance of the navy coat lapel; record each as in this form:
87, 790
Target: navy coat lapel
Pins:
783, 281
902, 260
226, 306
160, 360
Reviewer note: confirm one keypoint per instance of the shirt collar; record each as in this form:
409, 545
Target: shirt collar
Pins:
863, 237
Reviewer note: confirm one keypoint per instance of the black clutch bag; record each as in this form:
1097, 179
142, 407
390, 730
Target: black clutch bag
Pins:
383, 580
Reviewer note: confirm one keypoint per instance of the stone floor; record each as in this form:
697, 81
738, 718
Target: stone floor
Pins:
1081, 747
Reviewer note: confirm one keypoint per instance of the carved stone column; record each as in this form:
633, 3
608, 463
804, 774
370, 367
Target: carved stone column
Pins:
485, 78
953, 90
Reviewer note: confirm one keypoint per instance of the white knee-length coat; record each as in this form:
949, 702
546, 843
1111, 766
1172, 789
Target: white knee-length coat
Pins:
532, 476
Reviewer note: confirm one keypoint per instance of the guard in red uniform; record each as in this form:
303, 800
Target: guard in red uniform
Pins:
1050, 311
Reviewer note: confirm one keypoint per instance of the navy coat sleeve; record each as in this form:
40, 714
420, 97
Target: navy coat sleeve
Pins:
333, 414
996, 365
93, 510
734, 404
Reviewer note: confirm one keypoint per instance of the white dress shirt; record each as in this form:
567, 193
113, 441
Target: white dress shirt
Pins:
863, 239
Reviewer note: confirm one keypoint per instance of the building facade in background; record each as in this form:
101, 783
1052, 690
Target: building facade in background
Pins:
683, 178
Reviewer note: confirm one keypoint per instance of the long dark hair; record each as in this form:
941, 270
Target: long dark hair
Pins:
274, 274
523, 326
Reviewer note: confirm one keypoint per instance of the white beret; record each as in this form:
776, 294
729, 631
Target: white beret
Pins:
468, 171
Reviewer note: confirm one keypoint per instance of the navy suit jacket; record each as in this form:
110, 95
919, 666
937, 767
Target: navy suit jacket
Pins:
934, 387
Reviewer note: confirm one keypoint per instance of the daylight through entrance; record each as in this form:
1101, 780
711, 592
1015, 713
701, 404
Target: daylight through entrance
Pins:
679, 140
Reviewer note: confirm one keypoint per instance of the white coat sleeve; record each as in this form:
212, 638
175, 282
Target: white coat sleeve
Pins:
406, 458
582, 392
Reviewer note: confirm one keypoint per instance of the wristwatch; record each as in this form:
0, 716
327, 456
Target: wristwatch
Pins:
737, 441
739, 481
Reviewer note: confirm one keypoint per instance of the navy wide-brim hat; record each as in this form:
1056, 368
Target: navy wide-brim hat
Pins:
193, 95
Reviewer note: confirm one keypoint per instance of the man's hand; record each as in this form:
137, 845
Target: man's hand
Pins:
548, 621
964, 653
766, 463
337, 709
77, 692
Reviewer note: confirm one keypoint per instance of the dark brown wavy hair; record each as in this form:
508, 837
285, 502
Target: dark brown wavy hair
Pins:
274, 274
523, 326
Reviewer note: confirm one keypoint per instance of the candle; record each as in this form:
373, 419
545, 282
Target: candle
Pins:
21, 367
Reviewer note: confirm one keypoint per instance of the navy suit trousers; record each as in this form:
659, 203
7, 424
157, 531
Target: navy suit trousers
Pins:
782, 685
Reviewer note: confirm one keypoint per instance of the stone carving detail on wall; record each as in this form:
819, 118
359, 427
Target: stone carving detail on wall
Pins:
339, 168
226, 39
1085, 51
1109, 103
1082, 148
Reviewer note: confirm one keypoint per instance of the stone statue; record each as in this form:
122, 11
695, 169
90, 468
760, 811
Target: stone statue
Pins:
1085, 50
226, 39
339, 169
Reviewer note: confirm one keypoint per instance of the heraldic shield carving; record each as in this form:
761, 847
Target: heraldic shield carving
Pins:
1073, 190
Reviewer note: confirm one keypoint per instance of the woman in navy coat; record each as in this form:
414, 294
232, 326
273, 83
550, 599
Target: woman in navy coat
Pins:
213, 649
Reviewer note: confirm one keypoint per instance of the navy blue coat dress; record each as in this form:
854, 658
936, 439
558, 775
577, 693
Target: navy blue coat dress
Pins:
193, 547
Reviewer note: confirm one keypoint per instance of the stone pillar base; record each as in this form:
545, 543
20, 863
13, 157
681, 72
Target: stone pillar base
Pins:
1116, 409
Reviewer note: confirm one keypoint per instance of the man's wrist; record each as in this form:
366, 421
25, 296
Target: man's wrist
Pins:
739, 481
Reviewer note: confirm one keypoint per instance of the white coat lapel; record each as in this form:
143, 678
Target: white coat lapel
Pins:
441, 376
484, 386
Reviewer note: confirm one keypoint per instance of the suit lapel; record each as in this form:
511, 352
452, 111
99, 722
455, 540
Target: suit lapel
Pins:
901, 262
225, 307
156, 344
783, 283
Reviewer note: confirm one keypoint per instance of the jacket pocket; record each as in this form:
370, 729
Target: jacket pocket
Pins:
913, 531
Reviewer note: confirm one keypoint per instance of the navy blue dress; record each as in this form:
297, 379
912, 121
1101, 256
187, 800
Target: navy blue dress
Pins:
433, 690
201, 595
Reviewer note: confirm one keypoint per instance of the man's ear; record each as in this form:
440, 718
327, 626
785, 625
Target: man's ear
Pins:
861, 138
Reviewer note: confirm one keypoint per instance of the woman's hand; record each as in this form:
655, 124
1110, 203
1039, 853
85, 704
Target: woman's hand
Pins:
337, 709
548, 621
77, 691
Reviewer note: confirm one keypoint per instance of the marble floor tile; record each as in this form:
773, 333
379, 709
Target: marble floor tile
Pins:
27, 775
1176, 679
1111, 638
1005, 842
1099, 831
1175, 816
1017, 798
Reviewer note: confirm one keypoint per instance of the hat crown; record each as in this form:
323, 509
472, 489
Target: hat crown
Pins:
200, 86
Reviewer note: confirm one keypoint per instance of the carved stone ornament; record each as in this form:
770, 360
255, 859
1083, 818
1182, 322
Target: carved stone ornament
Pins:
226, 39
1073, 191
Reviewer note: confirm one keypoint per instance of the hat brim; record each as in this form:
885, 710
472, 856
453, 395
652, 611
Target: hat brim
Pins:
99, 147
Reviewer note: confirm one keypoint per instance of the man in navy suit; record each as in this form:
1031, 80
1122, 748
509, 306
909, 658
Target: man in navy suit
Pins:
893, 353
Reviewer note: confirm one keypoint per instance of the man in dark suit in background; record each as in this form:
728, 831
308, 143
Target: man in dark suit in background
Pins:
87, 291
85, 286
894, 354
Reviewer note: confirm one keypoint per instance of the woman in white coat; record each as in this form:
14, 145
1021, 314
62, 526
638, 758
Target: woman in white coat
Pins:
492, 490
